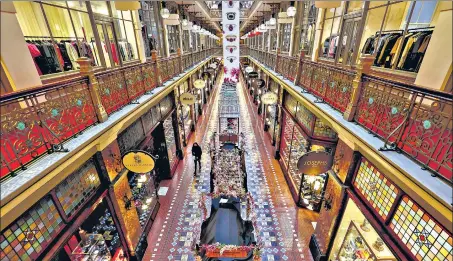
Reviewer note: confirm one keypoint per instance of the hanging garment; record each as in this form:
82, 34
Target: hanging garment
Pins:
73, 55
414, 57
67, 64
59, 56
368, 47
394, 50
385, 55
34, 51
122, 51
130, 51
114, 53
409, 41
93, 47
326, 45
333, 46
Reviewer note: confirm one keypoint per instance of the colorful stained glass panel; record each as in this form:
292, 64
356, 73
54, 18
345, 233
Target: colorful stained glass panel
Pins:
421, 234
73, 192
31, 233
376, 188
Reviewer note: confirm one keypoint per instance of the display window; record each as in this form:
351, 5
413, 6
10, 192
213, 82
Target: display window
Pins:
151, 31
357, 240
173, 38
57, 34
330, 32
170, 140
285, 37
97, 238
184, 113
127, 44
307, 35
398, 33
144, 194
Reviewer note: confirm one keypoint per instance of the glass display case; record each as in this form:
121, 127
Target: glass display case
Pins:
357, 240
170, 141
311, 191
91, 248
144, 194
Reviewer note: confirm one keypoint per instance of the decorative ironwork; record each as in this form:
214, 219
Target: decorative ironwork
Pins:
134, 82
113, 91
36, 123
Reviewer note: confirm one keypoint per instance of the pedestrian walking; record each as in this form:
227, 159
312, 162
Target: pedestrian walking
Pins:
196, 153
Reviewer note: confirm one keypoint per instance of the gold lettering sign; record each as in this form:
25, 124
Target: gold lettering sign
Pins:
187, 98
138, 161
199, 84
315, 163
269, 98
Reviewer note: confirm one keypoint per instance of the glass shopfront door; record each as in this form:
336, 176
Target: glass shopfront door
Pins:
108, 44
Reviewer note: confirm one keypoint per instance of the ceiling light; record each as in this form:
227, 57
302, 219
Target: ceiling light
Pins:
291, 11
164, 12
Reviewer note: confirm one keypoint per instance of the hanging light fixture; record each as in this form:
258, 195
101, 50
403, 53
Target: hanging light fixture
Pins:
273, 21
164, 12
291, 11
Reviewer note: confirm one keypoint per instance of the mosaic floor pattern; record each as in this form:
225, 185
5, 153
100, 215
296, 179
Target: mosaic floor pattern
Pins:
182, 221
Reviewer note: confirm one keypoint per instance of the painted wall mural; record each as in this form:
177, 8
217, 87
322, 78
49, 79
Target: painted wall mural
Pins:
230, 22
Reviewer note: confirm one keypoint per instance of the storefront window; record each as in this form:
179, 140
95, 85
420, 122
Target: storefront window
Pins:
357, 240
170, 142
285, 37
127, 44
173, 39
330, 35
151, 34
405, 34
186, 43
307, 35
144, 193
273, 36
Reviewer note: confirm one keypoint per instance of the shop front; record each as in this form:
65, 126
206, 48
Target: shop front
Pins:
374, 219
57, 33
301, 133
184, 113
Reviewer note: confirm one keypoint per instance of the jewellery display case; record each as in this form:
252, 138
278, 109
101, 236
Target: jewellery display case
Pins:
362, 243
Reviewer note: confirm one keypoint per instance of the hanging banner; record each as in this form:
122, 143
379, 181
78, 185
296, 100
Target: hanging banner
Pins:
138, 161
230, 24
269, 98
187, 98
315, 162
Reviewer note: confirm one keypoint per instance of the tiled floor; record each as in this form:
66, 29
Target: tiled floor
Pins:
285, 229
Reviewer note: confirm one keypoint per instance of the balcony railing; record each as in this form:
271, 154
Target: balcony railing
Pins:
39, 120
410, 119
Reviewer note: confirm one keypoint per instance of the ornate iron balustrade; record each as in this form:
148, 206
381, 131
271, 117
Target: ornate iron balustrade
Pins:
37, 121
410, 119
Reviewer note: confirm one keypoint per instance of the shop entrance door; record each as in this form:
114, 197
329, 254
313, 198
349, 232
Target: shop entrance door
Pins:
108, 43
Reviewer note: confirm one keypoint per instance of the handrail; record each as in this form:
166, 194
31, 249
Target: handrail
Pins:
411, 119
39, 120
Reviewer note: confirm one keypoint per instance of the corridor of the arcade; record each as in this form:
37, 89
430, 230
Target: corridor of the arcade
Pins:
284, 228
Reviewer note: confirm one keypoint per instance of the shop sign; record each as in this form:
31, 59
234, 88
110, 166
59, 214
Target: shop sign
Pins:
315, 162
138, 161
253, 74
199, 84
187, 98
269, 98
249, 69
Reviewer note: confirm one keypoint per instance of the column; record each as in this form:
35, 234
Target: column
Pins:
15, 57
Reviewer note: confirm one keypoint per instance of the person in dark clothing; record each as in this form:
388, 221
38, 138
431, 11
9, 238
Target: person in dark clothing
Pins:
196, 152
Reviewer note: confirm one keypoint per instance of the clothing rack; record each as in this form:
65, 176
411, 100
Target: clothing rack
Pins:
49, 37
422, 29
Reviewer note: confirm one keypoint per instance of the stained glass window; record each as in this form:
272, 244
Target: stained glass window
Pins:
376, 188
421, 234
29, 235
73, 192
290, 104
305, 118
